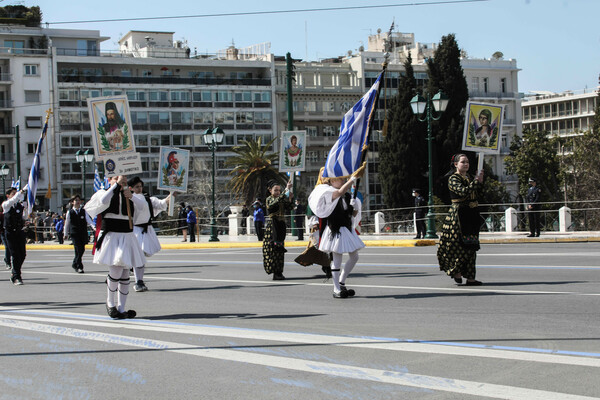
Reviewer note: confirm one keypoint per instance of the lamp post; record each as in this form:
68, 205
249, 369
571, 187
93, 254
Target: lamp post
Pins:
3, 174
420, 105
84, 158
213, 138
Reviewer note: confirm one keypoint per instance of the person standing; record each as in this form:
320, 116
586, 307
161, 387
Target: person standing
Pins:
76, 226
259, 220
419, 213
278, 204
299, 214
117, 246
14, 217
181, 221
190, 218
59, 227
245, 213
7, 262
459, 241
144, 232
533, 208
340, 213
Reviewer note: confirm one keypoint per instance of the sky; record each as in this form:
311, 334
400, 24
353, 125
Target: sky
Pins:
556, 42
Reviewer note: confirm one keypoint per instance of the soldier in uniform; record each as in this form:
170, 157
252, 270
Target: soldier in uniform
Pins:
419, 213
76, 225
533, 207
14, 218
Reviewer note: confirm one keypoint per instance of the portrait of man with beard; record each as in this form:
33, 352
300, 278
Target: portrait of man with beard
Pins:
115, 127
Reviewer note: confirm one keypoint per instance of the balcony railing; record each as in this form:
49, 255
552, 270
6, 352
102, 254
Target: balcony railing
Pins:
153, 80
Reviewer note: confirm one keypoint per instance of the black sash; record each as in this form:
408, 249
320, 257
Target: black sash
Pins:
112, 225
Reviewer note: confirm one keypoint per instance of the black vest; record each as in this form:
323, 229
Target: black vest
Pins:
78, 223
118, 197
340, 217
13, 219
151, 208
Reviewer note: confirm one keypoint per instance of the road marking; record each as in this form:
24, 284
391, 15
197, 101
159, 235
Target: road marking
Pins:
585, 359
148, 276
330, 369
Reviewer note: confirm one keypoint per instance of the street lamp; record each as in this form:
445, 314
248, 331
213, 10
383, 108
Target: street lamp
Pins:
213, 138
423, 106
3, 174
84, 158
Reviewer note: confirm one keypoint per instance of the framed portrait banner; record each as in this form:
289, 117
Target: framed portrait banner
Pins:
483, 127
173, 169
111, 126
292, 152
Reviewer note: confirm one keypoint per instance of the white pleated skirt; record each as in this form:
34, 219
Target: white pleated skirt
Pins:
122, 249
148, 241
345, 242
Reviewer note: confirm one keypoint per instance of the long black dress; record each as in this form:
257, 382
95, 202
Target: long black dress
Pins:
459, 241
273, 242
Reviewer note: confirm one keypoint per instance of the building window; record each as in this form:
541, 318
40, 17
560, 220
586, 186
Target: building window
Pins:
33, 122
16, 46
31, 148
485, 85
311, 131
32, 96
126, 73
475, 84
31, 69
503, 85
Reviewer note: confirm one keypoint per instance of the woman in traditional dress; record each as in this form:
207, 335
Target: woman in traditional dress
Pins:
340, 212
278, 205
459, 241
144, 232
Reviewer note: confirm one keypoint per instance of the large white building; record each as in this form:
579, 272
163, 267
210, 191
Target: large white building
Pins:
175, 96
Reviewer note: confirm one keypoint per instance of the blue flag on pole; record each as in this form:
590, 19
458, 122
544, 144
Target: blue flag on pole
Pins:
98, 182
34, 173
345, 156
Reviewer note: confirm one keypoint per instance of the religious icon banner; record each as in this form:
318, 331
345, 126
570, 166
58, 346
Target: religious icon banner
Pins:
483, 128
173, 169
292, 154
111, 126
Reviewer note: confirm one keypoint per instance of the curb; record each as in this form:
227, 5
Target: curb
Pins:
368, 243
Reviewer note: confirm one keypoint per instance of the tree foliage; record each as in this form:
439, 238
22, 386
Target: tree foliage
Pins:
21, 15
403, 152
534, 155
446, 74
252, 169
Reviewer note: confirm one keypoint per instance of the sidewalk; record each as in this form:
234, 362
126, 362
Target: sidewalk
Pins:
400, 240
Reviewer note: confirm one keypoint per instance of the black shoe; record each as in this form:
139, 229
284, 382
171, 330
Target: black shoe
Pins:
112, 312
278, 277
531, 235
127, 314
537, 235
458, 280
417, 237
474, 283
341, 295
16, 281
80, 270
349, 292
140, 286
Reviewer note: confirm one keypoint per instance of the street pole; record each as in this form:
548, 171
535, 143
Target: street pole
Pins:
213, 227
18, 151
290, 117
430, 234
83, 165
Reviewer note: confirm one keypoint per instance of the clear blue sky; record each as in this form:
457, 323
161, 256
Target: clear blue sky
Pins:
556, 42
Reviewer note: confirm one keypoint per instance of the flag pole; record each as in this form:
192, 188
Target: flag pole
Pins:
49, 192
365, 148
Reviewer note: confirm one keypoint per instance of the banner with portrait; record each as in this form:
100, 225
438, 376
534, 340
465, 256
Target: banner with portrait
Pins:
111, 126
173, 169
292, 152
483, 127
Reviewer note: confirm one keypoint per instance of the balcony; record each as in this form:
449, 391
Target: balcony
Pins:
162, 80
493, 95
6, 104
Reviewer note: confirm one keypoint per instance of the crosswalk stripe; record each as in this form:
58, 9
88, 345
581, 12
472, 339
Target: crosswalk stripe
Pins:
330, 369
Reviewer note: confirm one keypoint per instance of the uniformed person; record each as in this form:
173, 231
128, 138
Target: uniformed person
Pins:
533, 207
14, 217
419, 213
76, 225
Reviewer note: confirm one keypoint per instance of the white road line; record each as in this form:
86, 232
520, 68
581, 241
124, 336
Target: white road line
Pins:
148, 276
301, 338
330, 369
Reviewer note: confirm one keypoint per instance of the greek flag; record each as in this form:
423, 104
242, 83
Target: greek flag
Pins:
18, 184
34, 173
346, 154
98, 182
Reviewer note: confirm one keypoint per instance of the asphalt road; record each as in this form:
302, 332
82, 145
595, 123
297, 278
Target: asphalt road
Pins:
214, 326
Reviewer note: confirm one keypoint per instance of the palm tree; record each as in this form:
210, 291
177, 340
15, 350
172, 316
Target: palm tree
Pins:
253, 169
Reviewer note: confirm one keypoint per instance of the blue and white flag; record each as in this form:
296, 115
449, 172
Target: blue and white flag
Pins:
98, 182
18, 184
106, 183
346, 154
34, 173
12, 183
